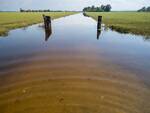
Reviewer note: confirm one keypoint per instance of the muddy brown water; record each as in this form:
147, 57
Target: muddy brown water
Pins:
72, 71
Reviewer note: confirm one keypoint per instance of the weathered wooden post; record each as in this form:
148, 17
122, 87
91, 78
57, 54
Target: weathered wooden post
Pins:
47, 21
47, 25
99, 22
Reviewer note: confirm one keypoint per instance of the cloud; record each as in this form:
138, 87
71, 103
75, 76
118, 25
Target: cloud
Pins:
71, 4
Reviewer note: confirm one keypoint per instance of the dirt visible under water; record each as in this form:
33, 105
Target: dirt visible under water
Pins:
72, 72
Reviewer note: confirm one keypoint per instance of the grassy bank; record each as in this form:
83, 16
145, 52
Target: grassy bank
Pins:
126, 22
12, 20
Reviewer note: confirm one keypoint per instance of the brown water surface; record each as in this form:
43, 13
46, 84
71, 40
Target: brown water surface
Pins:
72, 71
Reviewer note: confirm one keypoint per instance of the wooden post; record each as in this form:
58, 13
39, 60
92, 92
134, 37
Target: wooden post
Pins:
47, 25
99, 22
47, 21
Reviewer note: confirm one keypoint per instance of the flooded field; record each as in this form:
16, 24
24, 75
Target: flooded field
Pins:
71, 70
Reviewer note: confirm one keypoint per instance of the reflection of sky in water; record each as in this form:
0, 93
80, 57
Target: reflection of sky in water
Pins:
78, 33
73, 68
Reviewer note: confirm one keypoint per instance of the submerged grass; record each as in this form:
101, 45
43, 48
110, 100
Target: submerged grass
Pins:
126, 22
12, 20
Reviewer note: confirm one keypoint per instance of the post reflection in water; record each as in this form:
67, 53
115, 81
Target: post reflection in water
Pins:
48, 32
98, 34
74, 73
99, 30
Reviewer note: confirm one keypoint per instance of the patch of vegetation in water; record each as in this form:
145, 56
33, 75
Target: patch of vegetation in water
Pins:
125, 22
12, 20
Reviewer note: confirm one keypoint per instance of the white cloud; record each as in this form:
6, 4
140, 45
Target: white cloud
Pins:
71, 4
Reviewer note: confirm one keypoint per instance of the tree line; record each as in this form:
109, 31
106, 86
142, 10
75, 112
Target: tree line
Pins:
102, 8
144, 9
30, 10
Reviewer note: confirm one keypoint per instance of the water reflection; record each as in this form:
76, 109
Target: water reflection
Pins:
147, 38
48, 32
98, 34
74, 72
84, 14
99, 26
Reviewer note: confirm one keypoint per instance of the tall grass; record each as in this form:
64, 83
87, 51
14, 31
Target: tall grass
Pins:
11, 20
128, 22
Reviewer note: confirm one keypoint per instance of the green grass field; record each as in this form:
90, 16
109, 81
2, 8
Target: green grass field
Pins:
12, 20
125, 22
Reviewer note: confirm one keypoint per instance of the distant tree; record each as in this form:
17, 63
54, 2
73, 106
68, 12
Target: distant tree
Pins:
144, 9
108, 8
46, 10
102, 8
148, 9
93, 7
21, 10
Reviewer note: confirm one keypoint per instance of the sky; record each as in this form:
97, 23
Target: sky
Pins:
117, 5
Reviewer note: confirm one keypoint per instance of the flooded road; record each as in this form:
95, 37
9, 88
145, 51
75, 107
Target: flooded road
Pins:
73, 71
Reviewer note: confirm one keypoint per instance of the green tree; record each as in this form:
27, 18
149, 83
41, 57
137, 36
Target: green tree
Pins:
108, 8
